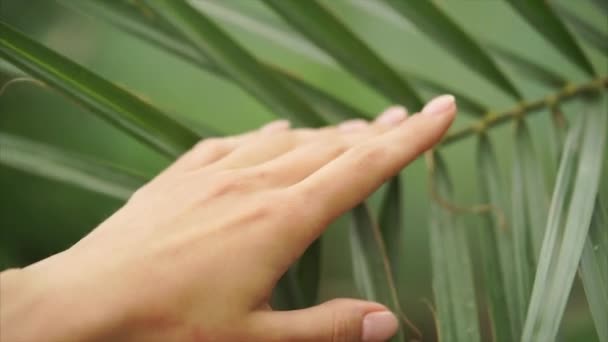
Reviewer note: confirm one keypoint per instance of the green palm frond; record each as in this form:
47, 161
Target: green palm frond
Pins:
541, 221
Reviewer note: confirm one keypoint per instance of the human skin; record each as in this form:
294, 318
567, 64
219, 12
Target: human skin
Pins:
195, 253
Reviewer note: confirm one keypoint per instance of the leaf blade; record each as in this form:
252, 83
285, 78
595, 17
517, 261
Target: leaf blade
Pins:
560, 257
325, 30
162, 35
493, 247
454, 294
540, 16
391, 222
370, 263
429, 18
105, 99
67, 167
593, 36
529, 69
534, 187
243, 67
594, 270
466, 104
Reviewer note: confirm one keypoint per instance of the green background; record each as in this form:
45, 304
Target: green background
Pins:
41, 217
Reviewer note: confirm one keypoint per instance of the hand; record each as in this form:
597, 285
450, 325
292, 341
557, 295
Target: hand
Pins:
195, 253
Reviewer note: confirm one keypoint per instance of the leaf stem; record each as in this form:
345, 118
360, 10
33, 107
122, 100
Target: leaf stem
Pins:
491, 118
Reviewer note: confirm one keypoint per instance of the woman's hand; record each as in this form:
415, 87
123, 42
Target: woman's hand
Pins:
195, 253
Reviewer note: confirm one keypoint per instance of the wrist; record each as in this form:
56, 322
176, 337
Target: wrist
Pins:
44, 303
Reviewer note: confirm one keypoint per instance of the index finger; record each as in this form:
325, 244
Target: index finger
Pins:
354, 175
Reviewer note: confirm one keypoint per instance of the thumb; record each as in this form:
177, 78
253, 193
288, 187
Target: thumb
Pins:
347, 320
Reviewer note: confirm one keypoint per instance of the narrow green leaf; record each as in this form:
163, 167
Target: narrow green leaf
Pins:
491, 243
529, 69
452, 273
522, 258
156, 31
466, 104
243, 67
333, 109
103, 98
71, 168
594, 269
432, 21
540, 15
309, 273
554, 222
146, 26
246, 18
287, 294
565, 234
371, 266
535, 201
324, 29
601, 5
557, 136
592, 35
391, 223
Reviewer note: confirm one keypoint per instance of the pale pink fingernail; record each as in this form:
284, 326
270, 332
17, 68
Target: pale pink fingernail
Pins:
352, 125
439, 105
275, 126
379, 326
392, 115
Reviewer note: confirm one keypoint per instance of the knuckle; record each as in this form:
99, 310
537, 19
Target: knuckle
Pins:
224, 183
258, 174
211, 145
259, 212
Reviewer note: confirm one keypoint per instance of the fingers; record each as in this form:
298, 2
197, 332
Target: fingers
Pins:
337, 320
300, 162
210, 150
347, 180
270, 141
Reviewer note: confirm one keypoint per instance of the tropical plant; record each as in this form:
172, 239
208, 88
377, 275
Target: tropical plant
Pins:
531, 241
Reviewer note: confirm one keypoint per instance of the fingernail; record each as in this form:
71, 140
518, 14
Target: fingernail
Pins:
379, 326
275, 126
439, 105
392, 115
352, 125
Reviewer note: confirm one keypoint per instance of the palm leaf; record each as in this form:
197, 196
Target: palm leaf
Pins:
594, 270
243, 67
540, 15
593, 36
466, 104
494, 247
452, 273
391, 222
308, 272
59, 165
601, 5
522, 258
103, 98
429, 18
159, 33
563, 246
535, 202
529, 69
325, 30
371, 266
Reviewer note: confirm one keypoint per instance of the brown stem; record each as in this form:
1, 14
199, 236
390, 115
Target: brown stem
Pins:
492, 118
